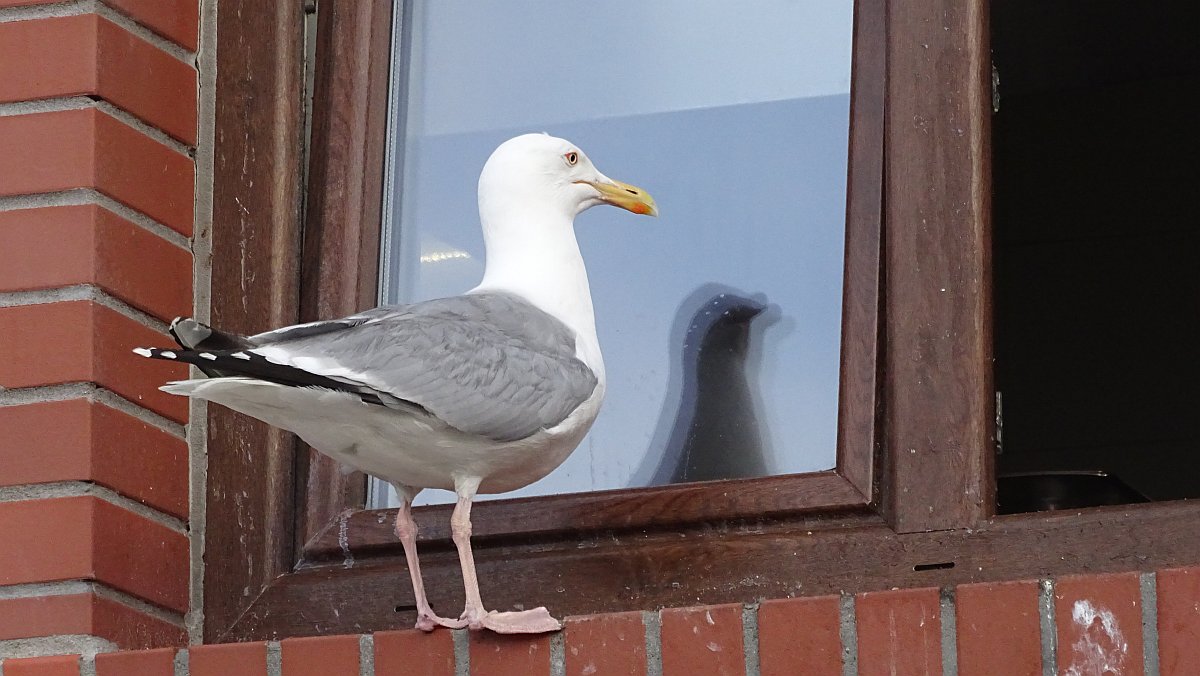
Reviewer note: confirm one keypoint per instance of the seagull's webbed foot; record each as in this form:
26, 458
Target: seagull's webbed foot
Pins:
429, 621
535, 621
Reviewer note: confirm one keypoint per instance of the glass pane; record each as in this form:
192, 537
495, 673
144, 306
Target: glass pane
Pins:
720, 321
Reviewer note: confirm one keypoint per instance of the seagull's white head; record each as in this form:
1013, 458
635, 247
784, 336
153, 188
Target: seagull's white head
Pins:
536, 172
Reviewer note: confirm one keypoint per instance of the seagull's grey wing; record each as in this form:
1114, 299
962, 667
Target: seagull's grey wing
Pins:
297, 331
487, 364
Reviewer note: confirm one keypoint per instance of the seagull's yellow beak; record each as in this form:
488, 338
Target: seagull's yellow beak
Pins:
626, 196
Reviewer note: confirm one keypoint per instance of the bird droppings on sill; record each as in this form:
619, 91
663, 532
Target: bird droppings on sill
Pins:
344, 538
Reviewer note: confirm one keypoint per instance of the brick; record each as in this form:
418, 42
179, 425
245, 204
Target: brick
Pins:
899, 632
176, 20
87, 148
57, 665
605, 644
87, 538
47, 57
998, 623
414, 653
88, 614
87, 55
511, 655
703, 641
320, 656
226, 659
1178, 620
81, 440
159, 662
800, 637
1099, 620
80, 341
52, 247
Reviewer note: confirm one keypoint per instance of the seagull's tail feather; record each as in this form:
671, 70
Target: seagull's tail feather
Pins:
192, 335
246, 365
184, 387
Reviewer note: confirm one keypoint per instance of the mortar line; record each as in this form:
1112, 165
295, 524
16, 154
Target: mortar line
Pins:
54, 104
114, 400
53, 645
57, 104
558, 655
366, 655
45, 393
87, 665
143, 126
201, 247
1149, 588
145, 222
653, 622
92, 392
76, 292
462, 651
99, 589
274, 659
102, 297
74, 489
750, 638
848, 631
1048, 628
39, 589
116, 595
57, 9
949, 622
90, 196
132, 25
180, 663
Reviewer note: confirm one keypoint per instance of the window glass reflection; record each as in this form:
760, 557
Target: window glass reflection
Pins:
720, 320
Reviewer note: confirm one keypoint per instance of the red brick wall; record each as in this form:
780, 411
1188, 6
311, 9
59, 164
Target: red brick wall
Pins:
98, 123
1125, 624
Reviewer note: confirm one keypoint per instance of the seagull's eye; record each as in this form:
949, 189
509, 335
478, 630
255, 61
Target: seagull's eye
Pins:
572, 158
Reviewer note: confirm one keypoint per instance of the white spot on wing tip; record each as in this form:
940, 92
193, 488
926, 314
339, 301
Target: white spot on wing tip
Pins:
209, 356
167, 353
240, 355
145, 352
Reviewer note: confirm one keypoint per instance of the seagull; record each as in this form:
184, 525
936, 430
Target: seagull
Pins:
480, 393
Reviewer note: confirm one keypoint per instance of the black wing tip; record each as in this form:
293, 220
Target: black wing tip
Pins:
218, 363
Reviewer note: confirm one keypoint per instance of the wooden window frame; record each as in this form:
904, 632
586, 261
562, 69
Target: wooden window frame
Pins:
289, 551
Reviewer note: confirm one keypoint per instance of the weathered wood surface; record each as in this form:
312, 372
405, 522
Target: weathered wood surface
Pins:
735, 564
340, 270
938, 362
858, 403
255, 263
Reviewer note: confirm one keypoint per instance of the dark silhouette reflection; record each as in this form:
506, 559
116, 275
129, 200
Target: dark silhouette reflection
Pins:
710, 427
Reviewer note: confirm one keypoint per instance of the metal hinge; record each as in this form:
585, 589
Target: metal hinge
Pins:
995, 89
999, 422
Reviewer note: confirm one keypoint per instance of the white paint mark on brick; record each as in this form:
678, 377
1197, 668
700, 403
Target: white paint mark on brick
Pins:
1101, 647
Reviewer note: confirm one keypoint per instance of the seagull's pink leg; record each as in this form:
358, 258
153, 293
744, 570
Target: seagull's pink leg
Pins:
406, 530
534, 621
